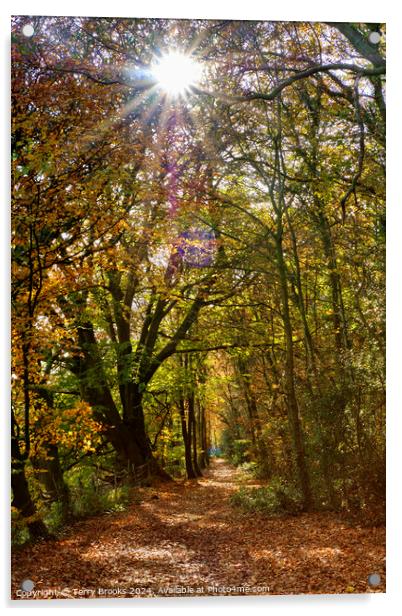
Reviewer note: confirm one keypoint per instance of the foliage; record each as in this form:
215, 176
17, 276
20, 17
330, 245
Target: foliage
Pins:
198, 271
279, 498
90, 501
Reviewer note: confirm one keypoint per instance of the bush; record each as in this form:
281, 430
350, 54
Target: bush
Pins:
250, 467
278, 498
89, 496
54, 518
90, 501
257, 468
19, 530
240, 452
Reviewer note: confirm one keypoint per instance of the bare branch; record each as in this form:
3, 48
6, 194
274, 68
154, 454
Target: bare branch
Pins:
274, 93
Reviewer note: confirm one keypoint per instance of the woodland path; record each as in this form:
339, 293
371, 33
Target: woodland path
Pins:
186, 539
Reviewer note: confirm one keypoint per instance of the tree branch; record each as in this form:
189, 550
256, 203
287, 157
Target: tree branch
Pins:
274, 93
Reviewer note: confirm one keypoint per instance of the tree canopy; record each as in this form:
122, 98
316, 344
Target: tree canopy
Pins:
197, 270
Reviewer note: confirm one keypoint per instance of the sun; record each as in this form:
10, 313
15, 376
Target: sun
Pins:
175, 72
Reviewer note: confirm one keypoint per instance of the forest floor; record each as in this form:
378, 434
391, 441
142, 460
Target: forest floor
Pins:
186, 539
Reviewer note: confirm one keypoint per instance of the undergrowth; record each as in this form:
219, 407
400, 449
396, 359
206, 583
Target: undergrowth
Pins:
279, 498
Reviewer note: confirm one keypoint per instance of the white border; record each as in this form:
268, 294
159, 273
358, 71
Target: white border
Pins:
338, 10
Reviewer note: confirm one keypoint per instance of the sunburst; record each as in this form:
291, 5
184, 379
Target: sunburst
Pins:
175, 72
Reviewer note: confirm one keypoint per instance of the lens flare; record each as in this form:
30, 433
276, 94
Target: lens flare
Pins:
175, 72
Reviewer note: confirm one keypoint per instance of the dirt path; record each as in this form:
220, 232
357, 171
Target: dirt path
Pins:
191, 541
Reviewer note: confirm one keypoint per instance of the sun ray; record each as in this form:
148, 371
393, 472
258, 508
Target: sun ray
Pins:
175, 72
103, 127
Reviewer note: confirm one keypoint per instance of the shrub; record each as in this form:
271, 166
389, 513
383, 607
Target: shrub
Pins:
257, 468
19, 530
90, 501
250, 467
240, 452
54, 518
276, 499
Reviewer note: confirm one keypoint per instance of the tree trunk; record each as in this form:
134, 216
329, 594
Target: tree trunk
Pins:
192, 421
48, 470
291, 398
313, 381
127, 435
338, 311
22, 499
244, 382
186, 440
203, 456
49, 473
